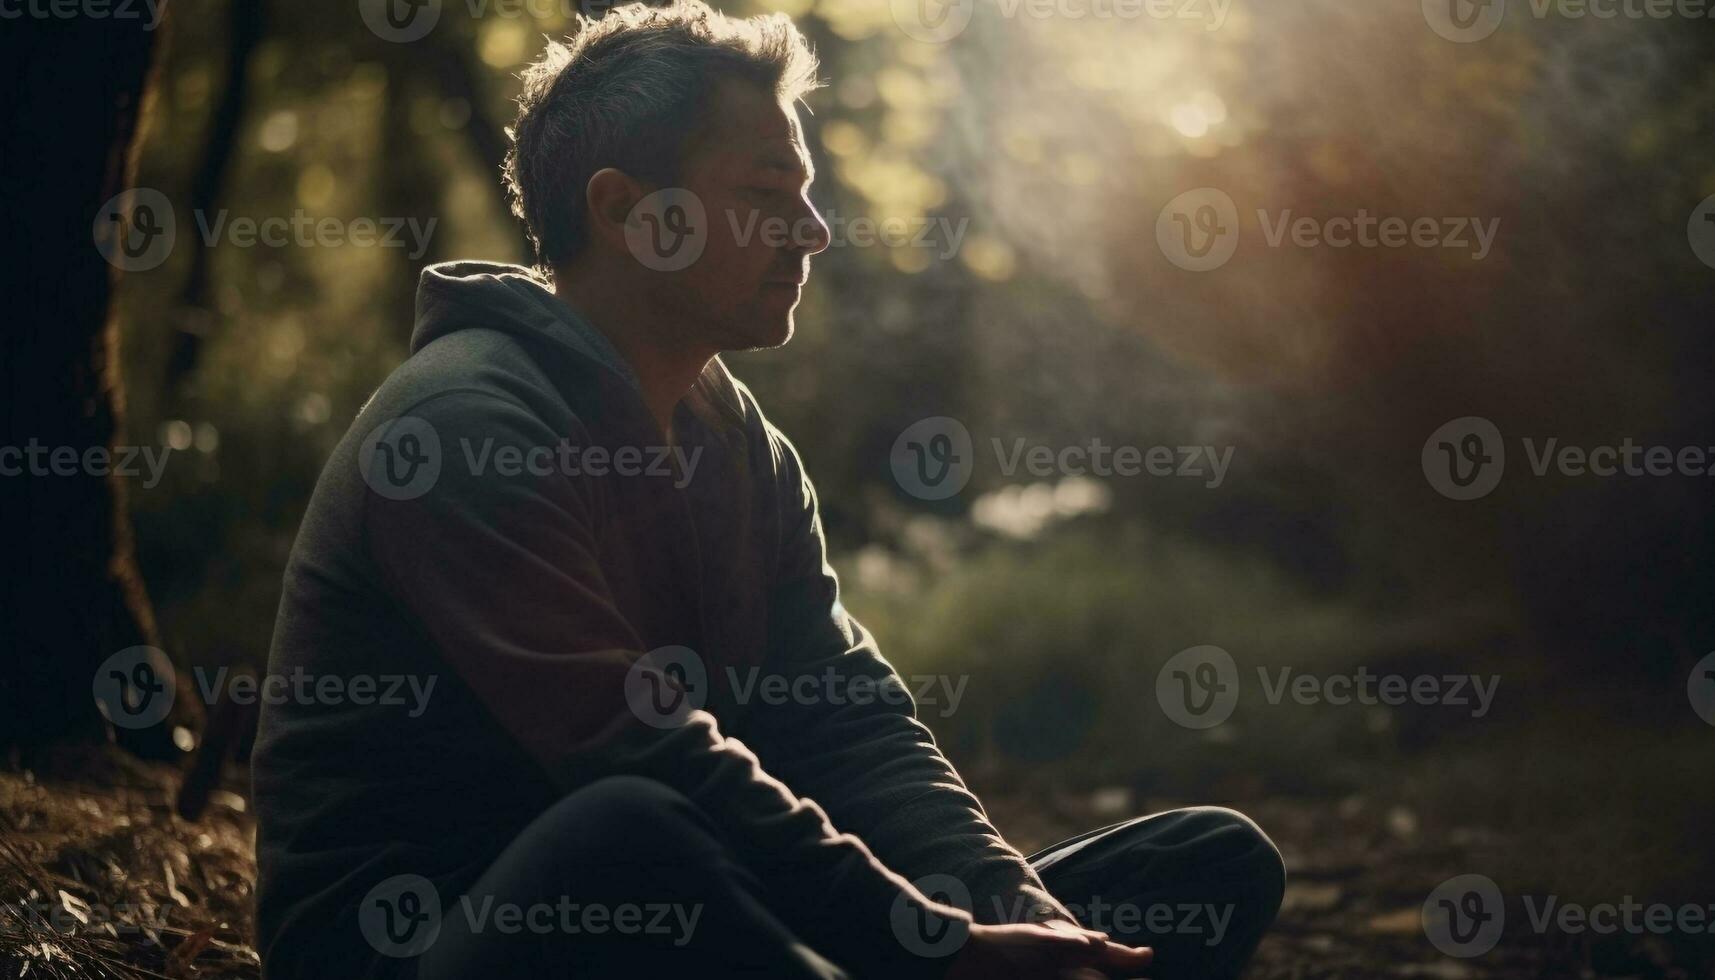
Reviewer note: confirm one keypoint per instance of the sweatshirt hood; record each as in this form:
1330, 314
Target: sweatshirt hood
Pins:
453, 296
471, 295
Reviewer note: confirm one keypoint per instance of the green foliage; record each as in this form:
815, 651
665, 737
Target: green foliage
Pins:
1062, 642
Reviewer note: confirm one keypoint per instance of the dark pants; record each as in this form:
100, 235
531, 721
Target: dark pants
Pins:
1200, 885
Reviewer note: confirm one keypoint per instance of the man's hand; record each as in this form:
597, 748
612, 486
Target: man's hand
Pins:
1043, 951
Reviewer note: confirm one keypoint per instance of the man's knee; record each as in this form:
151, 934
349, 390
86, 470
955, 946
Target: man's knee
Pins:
1243, 851
628, 817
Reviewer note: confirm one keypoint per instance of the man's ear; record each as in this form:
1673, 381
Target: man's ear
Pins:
609, 197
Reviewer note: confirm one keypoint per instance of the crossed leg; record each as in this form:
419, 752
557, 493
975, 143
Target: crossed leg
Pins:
1200, 885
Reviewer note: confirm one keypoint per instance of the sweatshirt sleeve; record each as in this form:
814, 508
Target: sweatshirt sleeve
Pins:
864, 757
502, 574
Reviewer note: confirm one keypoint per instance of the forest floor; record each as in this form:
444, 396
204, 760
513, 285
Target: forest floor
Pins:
100, 878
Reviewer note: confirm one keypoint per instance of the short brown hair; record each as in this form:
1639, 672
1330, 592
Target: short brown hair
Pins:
629, 91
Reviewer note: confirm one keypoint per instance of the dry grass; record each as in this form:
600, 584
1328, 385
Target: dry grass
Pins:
100, 878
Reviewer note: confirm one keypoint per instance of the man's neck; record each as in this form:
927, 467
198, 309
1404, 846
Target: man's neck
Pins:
665, 366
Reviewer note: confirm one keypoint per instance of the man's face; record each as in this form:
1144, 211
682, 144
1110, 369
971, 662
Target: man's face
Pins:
751, 172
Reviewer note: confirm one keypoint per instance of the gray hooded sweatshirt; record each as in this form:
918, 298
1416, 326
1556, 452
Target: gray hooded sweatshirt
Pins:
503, 523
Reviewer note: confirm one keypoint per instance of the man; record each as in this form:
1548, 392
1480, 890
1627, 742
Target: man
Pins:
566, 528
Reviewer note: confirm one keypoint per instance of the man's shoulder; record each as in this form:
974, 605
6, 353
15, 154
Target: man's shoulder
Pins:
472, 374
473, 360
743, 410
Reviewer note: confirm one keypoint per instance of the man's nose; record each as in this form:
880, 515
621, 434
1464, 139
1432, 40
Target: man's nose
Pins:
809, 232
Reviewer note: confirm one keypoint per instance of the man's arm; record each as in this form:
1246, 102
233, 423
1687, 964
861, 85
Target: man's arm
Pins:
869, 762
503, 576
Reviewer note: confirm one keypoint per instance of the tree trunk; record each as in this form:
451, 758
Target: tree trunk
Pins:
75, 90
